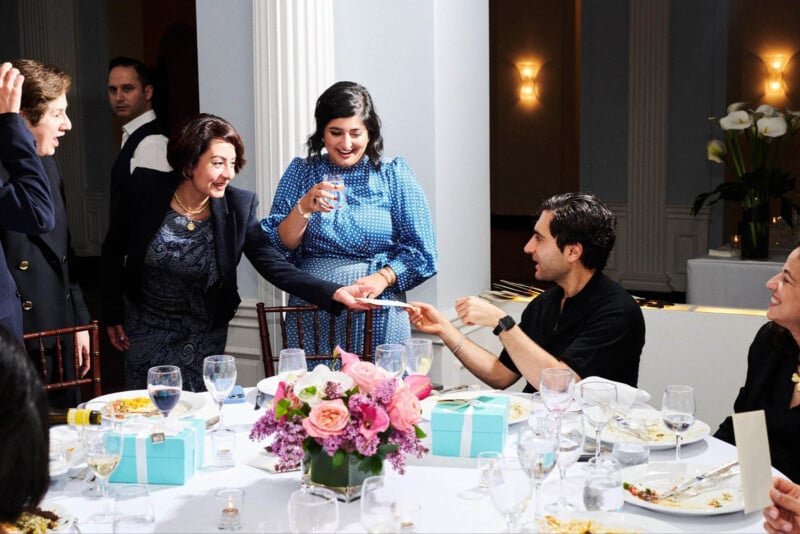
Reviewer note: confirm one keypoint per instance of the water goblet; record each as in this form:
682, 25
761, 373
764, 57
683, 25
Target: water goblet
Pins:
602, 489
678, 412
378, 506
164, 383
103, 454
313, 509
556, 385
537, 452
598, 401
418, 356
390, 357
291, 363
219, 376
510, 489
570, 445
133, 510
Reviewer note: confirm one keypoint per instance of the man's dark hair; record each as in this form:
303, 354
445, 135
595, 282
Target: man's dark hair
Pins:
142, 70
582, 218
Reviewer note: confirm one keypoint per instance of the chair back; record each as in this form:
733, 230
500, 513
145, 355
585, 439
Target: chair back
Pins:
59, 381
316, 348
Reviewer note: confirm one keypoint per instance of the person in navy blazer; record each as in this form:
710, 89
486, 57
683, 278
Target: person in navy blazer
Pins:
26, 204
170, 255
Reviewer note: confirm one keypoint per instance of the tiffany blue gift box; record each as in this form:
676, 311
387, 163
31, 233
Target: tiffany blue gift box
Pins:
469, 427
173, 461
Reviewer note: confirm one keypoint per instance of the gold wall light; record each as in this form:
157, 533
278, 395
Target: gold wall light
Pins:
775, 66
527, 87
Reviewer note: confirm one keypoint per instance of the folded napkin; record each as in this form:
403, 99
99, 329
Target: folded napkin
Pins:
627, 395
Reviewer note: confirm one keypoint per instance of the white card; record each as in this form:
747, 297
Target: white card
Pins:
379, 302
755, 465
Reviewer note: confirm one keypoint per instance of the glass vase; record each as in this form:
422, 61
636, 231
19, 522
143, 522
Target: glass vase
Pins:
345, 480
755, 225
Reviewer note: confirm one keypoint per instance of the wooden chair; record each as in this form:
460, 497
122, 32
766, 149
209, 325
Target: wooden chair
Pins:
58, 365
316, 349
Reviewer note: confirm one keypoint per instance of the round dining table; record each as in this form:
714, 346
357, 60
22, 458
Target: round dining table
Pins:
445, 489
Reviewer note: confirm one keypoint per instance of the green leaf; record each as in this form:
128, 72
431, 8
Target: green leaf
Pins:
387, 448
418, 431
282, 408
338, 458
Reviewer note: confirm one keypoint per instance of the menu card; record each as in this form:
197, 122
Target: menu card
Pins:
755, 465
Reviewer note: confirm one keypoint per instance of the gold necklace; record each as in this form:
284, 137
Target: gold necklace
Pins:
190, 225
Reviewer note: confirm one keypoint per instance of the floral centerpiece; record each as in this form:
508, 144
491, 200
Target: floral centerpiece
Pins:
344, 424
756, 149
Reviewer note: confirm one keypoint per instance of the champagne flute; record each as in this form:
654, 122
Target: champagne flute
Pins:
418, 356
313, 509
557, 385
510, 490
678, 412
103, 454
219, 375
537, 452
598, 401
378, 506
570, 445
390, 357
292, 363
164, 384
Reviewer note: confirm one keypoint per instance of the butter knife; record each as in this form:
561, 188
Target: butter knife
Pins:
689, 482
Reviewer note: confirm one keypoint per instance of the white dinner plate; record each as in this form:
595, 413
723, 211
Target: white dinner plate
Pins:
269, 385
65, 519
659, 436
722, 496
189, 404
70, 443
519, 407
601, 522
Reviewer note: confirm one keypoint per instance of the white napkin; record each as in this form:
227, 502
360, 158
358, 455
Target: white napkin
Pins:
627, 395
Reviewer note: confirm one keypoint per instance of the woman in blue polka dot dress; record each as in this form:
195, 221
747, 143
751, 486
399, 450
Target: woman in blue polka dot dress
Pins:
381, 235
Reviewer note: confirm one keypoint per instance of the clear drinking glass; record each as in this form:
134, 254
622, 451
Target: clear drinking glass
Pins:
678, 412
313, 509
390, 357
486, 462
339, 199
292, 363
557, 385
94, 488
219, 376
570, 445
133, 510
418, 356
510, 489
603, 487
378, 506
537, 452
598, 401
164, 383
103, 454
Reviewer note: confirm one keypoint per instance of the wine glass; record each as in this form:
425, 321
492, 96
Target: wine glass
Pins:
598, 401
537, 452
510, 489
164, 384
219, 375
378, 506
418, 356
133, 510
570, 445
556, 385
390, 357
292, 363
103, 454
678, 412
94, 489
313, 509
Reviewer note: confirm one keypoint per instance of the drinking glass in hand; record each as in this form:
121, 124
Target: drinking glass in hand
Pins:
292, 363
570, 446
603, 487
418, 356
557, 384
678, 412
313, 509
537, 452
339, 199
510, 490
378, 506
103, 454
390, 357
133, 510
598, 401
219, 376
164, 383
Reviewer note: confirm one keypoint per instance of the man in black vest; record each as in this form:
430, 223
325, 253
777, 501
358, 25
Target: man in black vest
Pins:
130, 94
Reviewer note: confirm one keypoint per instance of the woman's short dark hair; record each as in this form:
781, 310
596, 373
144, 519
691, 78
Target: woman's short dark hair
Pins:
43, 84
193, 139
24, 431
342, 100
582, 218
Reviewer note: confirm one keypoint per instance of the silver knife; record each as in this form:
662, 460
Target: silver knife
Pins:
688, 483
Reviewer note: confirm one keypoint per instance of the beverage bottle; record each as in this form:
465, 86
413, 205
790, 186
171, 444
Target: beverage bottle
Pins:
75, 417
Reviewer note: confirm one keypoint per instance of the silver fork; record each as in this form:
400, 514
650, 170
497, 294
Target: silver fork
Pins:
625, 425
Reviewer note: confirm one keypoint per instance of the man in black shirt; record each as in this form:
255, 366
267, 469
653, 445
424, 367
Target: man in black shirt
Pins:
587, 322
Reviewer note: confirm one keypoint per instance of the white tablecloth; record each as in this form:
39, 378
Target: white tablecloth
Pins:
444, 487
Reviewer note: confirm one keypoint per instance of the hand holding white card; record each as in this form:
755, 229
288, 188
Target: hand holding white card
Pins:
379, 302
752, 446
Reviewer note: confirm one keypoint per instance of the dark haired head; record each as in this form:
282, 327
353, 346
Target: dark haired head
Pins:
43, 84
142, 70
343, 100
193, 139
24, 427
584, 219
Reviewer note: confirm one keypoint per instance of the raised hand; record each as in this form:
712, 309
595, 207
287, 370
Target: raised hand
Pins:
10, 88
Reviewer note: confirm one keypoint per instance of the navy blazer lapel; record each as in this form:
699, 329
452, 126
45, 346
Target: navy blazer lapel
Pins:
224, 227
53, 171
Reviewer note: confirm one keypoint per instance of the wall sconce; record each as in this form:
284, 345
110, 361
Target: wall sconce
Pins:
775, 65
527, 87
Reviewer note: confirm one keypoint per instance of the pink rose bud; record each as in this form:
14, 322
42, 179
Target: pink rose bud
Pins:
420, 385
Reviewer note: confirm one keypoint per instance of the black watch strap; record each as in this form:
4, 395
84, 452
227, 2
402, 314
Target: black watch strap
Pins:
505, 323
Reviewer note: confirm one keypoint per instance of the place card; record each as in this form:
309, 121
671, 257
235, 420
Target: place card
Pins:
379, 302
755, 465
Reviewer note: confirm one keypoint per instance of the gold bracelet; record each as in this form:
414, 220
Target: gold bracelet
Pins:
386, 276
300, 211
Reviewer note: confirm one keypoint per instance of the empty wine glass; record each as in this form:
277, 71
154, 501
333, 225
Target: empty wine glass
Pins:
292, 363
313, 509
103, 454
390, 357
219, 376
537, 452
570, 445
556, 385
678, 412
164, 383
598, 401
510, 489
133, 510
378, 506
419, 356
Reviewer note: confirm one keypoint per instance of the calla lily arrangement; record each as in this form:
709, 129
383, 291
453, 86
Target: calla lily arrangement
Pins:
360, 411
756, 147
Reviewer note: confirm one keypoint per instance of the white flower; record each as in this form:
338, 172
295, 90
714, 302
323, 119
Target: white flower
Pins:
716, 151
311, 387
736, 120
736, 106
771, 126
766, 110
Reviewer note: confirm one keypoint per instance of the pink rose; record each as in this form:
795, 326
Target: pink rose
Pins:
420, 385
375, 421
366, 375
404, 410
327, 419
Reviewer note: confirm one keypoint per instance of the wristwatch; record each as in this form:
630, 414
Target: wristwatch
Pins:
505, 323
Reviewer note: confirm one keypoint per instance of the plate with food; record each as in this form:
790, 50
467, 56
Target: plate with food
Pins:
269, 385
646, 483
641, 422
126, 404
47, 517
519, 407
601, 522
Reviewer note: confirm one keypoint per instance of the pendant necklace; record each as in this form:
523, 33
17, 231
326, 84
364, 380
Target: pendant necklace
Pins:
190, 225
